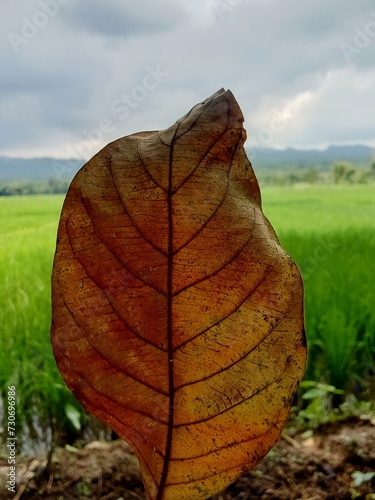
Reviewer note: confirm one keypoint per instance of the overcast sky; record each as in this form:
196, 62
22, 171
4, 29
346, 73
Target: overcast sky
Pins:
77, 74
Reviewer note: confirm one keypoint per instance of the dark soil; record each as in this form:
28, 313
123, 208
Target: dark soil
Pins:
336, 462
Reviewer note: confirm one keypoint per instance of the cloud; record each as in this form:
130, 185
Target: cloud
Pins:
67, 78
116, 18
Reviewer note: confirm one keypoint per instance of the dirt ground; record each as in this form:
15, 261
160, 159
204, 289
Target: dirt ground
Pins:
336, 462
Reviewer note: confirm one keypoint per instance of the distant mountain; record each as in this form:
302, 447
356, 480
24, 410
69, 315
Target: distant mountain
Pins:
33, 169
266, 158
273, 158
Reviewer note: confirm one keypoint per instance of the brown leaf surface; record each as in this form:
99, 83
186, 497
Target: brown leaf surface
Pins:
177, 316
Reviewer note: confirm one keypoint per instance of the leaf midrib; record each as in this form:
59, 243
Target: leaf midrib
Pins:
168, 446
170, 296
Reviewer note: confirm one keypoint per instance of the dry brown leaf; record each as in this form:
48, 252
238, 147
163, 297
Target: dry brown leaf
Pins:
177, 316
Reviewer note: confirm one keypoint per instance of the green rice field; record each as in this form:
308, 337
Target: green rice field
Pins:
328, 230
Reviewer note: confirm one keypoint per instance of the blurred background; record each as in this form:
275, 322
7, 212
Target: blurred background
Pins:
79, 74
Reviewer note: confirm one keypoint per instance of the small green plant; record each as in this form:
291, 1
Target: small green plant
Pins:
83, 489
317, 390
359, 479
352, 406
319, 407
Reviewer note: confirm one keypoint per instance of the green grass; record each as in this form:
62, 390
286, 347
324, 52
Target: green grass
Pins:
329, 231
318, 210
27, 239
27, 234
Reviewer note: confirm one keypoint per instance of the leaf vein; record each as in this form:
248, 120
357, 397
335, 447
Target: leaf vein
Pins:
249, 294
127, 211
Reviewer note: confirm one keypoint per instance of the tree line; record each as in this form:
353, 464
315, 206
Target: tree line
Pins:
29, 187
342, 172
